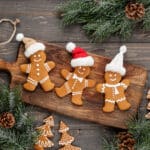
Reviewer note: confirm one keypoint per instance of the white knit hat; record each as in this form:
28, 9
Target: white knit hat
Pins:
79, 56
31, 45
116, 65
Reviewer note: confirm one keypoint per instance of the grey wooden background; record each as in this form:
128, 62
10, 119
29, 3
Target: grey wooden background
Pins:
38, 20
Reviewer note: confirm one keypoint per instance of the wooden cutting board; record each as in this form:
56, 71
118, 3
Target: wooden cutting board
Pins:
93, 101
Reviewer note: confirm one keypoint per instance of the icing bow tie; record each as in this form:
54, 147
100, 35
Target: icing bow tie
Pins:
77, 78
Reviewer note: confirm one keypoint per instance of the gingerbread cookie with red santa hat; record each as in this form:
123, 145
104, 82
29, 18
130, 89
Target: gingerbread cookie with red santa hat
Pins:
113, 89
76, 81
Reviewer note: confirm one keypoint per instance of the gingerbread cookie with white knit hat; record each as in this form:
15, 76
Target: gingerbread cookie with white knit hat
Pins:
114, 89
76, 81
38, 69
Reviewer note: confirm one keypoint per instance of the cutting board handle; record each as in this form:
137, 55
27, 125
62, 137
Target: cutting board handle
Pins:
6, 66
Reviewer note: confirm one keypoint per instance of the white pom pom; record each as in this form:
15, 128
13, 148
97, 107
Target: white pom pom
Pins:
123, 49
19, 36
70, 46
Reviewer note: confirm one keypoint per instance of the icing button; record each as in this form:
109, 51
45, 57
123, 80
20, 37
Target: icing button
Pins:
38, 74
37, 65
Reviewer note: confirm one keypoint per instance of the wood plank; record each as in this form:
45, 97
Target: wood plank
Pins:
81, 130
87, 140
138, 53
74, 124
88, 111
9, 52
39, 19
41, 16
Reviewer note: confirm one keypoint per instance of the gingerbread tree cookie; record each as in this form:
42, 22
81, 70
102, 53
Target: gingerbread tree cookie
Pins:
66, 139
37, 69
113, 89
76, 81
49, 120
45, 130
45, 133
43, 142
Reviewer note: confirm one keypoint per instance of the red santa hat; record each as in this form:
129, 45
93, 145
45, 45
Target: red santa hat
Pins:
31, 45
79, 56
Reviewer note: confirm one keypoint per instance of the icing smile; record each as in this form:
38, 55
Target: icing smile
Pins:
81, 70
37, 60
113, 79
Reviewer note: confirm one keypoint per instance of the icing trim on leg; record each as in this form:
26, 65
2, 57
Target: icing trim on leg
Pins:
110, 101
77, 93
121, 99
44, 79
32, 81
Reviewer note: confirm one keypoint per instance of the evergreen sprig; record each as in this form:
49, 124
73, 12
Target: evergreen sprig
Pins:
22, 136
140, 129
103, 18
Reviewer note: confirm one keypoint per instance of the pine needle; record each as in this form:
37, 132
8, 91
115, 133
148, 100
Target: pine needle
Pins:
22, 136
140, 129
101, 19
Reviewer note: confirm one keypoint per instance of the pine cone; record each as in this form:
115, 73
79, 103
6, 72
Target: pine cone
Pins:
134, 11
7, 120
126, 141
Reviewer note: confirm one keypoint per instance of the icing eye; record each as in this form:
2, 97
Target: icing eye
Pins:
34, 56
83, 69
115, 75
39, 55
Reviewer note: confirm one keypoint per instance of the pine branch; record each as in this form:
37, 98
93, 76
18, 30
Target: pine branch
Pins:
3, 98
22, 136
103, 31
126, 28
76, 11
145, 2
140, 129
146, 20
8, 140
110, 144
103, 18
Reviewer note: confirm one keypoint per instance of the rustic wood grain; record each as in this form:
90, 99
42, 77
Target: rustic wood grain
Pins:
90, 109
39, 19
87, 135
138, 53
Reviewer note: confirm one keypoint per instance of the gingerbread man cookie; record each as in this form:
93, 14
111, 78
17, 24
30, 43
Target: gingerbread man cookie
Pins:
76, 81
38, 69
114, 89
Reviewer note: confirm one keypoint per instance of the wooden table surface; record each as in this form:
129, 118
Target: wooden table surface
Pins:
38, 20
